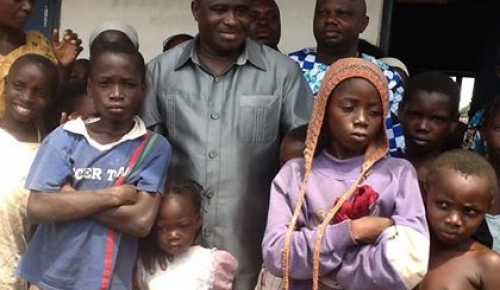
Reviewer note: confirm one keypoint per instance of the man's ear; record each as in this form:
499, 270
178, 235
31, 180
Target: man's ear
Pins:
195, 8
364, 23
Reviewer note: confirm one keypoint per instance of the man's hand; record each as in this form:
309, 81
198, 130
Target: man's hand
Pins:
366, 230
66, 49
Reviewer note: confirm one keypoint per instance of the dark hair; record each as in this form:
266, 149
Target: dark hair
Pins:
465, 162
45, 63
434, 81
362, 4
118, 48
70, 96
366, 47
298, 133
490, 111
84, 61
187, 187
148, 248
168, 43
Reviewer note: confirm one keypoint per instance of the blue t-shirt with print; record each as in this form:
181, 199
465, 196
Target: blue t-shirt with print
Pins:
72, 254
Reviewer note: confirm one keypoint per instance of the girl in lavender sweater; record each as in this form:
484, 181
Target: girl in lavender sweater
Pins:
347, 216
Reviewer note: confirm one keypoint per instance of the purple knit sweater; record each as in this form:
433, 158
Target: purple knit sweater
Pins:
398, 259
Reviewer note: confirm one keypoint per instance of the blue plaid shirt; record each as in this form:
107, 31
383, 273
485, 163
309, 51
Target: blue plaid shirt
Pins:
315, 71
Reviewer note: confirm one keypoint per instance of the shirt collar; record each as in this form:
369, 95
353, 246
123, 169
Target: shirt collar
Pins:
77, 126
340, 169
252, 54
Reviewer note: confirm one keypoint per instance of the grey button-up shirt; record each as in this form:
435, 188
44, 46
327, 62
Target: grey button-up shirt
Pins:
225, 131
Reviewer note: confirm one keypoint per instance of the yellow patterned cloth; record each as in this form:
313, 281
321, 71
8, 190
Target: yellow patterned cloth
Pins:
15, 231
35, 43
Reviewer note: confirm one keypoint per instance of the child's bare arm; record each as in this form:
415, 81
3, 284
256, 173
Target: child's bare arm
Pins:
136, 219
65, 206
490, 267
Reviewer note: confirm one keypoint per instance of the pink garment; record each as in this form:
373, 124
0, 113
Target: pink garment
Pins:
225, 267
197, 269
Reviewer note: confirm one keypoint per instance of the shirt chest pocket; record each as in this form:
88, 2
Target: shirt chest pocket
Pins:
258, 118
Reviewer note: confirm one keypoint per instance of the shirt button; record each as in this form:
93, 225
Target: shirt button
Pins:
213, 154
214, 116
207, 231
217, 79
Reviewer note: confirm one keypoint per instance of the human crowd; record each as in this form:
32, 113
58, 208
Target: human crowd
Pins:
224, 163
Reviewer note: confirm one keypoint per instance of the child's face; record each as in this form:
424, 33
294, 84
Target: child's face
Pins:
353, 117
456, 205
291, 148
79, 73
85, 106
177, 224
427, 120
28, 91
116, 84
491, 134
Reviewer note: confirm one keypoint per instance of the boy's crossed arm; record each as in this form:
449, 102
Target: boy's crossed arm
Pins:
45, 207
122, 208
133, 219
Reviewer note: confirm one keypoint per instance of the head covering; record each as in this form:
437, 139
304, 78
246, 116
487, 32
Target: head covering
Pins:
176, 37
339, 71
396, 63
115, 25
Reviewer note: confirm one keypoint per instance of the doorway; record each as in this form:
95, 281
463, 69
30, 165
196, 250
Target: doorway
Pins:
45, 16
458, 37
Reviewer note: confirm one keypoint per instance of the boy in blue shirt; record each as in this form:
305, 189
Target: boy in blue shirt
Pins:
96, 184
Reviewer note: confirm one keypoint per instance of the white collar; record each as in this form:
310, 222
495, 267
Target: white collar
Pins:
77, 126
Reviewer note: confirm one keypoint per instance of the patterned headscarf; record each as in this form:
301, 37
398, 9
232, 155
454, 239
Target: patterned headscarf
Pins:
339, 71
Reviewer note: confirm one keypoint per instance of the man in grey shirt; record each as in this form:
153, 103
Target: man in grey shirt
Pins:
225, 102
